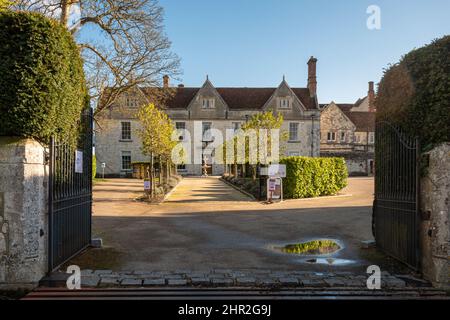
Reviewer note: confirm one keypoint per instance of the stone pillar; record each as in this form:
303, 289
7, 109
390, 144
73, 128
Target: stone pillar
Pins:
23, 213
435, 210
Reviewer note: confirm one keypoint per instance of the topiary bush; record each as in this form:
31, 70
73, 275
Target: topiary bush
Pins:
42, 84
415, 93
312, 177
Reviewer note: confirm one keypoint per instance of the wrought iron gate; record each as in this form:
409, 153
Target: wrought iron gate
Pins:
396, 205
70, 195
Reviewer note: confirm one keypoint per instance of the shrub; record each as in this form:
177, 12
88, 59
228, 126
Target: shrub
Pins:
42, 84
312, 177
415, 93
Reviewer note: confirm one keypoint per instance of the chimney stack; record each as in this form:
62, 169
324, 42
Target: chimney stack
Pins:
371, 96
312, 79
166, 81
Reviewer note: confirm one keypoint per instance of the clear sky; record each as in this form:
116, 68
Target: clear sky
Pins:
254, 42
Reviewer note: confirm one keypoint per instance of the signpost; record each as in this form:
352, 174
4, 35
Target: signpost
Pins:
78, 161
103, 170
275, 182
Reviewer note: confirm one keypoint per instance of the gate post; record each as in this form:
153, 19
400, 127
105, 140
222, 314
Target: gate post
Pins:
435, 220
23, 213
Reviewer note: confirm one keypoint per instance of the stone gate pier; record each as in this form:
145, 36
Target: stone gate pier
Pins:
23, 213
435, 211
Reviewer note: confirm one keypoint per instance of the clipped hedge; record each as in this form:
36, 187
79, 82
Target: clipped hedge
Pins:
415, 93
94, 166
312, 177
42, 85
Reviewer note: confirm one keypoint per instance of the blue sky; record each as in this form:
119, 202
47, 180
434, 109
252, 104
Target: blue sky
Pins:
254, 42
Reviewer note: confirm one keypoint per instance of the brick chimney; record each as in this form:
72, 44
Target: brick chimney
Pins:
371, 96
312, 79
166, 81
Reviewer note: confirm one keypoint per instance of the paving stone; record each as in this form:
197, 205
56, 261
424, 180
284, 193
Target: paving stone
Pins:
288, 281
90, 281
143, 273
196, 275
267, 282
154, 282
335, 282
245, 281
105, 281
222, 282
100, 272
177, 282
200, 281
86, 272
313, 283
131, 282
394, 283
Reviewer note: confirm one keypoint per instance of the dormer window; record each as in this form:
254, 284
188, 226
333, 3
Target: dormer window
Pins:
130, 101
285, 103
208, 103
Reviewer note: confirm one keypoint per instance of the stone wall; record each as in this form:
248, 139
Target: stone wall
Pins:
435, 208
23, 213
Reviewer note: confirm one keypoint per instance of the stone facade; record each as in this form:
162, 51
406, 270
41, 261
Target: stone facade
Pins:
221, 108
348, 130
435, 225
23, 213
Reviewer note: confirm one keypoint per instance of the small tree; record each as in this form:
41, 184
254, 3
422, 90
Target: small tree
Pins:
261, 123
156, 135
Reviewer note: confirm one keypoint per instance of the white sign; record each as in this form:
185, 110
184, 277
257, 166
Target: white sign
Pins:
147, 185
274, 189
78, 161
263, 171
103, 165
277, 170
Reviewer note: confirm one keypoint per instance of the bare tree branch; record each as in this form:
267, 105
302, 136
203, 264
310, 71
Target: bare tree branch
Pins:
122, 42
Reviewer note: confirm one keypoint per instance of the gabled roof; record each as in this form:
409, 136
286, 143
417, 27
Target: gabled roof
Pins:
363, 121
236, 98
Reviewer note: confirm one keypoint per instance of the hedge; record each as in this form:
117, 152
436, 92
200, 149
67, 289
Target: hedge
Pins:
312, 177
42, 85
94, 166
415, 93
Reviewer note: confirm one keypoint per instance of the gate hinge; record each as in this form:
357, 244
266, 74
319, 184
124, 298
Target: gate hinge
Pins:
425, 215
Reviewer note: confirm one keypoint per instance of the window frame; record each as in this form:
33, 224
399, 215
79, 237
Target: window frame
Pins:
284, 99
333, 136
123, 130
122, 162
210, 103
297, 125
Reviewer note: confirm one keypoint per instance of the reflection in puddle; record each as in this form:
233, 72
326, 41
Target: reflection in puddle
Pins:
313, 247
329, 261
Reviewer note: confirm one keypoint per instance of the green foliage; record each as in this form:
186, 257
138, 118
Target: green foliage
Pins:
94, 166
42, 84
312, 247
415, 93
312, 177
156, 132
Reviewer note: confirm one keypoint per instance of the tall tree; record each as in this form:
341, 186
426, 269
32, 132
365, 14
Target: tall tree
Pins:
156, 135
122, 41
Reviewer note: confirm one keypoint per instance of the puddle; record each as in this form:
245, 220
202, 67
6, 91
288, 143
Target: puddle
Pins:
313, 247
329, 261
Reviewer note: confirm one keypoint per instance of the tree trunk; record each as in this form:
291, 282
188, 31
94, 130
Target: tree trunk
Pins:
65, 12
151, 176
